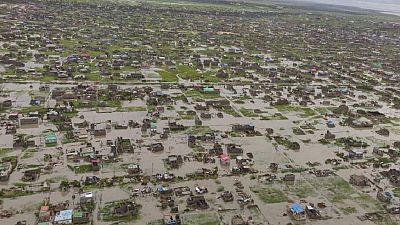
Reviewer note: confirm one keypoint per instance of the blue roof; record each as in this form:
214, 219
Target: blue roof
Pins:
388, 194
63, 215
51, 137
208, 89
296, 208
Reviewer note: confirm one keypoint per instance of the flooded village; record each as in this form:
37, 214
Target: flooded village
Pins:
197, 113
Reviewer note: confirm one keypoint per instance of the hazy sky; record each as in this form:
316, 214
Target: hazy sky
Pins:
380, 5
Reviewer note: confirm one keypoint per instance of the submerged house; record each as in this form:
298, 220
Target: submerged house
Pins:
63, 217
359, 180
51, 139
134, 169
296, 212
86, 197
5, 171
79, 217
99, 129
242, 128
197, 202
29, 121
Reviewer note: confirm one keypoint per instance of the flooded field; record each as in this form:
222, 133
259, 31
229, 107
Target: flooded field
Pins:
116, 156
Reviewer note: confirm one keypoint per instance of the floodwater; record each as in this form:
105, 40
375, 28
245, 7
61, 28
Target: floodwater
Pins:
388, 6
261, 147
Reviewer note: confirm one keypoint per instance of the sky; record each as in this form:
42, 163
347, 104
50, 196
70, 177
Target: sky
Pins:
379, 5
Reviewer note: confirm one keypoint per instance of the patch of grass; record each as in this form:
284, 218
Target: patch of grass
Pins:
286, 142
67, 140
396, 192
322, 110
69, 43
186, 116
336, 189
71, 114
27, 155
199, 130
231, 111
30, 109
349, 210
304, 111
298, 131
199, 95
107, 212
47, 79
301, 189
51, 145
248, 112
156, 222
276, 116
168, 76
187, 72
202, 219
243, 98
12, 159
86, 168
57, 179
5, 151
93, 77
270, 195
234, 134
220, 189
4, 193
132, 109
369, 203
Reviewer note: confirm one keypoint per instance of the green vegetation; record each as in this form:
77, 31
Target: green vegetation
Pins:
14, 193
270, 195
248, 112
396, 192
71, 114
301, 189
199, 130
276, 116
298, 131
287, 143
231, 111
107, 212
5, 151
48, 79
168, 76
186, 115
304, 111
323, 110
86, 168
233, 134
132, 109
42, 110
349, 210
156, 222
12, 159
190, 73
28, 154
337, 190
368, 203
202, 219
93, 77
200, 95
